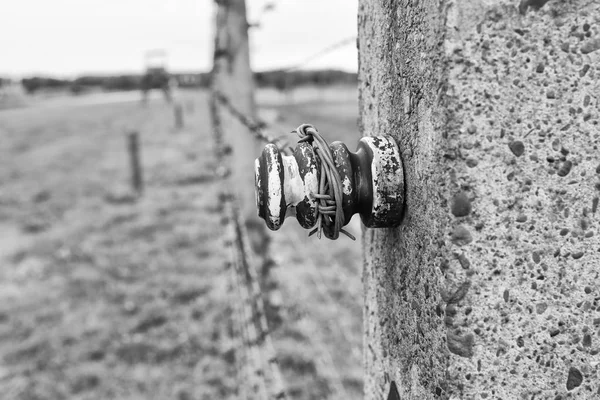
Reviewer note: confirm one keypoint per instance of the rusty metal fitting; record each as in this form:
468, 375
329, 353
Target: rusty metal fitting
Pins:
372, 178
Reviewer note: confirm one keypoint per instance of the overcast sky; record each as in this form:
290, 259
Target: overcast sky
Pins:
71, 37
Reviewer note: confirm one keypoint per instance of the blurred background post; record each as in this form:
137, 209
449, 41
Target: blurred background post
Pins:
233, 78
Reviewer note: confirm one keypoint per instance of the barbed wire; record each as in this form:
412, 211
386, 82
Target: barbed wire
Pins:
268, 7
321, 53
256, 127
330, 214
254, 310
259, 365
252, 371
256, 358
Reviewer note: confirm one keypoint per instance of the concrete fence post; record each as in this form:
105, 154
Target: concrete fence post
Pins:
489, 288
233, 78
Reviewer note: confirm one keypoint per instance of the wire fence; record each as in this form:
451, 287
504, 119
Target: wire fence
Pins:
258, 354
258, 368
321, 53
256, 127
256, 359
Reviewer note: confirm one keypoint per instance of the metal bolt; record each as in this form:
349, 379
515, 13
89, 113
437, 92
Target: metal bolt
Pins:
372, 177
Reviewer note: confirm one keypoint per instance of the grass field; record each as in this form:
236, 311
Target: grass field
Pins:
103, 296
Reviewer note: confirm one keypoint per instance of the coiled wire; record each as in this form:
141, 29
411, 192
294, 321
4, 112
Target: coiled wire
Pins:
330, 215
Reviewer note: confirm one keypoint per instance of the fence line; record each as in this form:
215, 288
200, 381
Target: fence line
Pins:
252, 362
260, 369
256, 127
258, 348
323, 52
238, 334
257, 345
255, 321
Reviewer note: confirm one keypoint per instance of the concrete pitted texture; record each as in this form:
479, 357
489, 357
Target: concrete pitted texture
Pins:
523, 156
490, 287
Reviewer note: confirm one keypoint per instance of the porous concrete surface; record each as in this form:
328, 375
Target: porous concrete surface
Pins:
489, 288
400, 67
521, 300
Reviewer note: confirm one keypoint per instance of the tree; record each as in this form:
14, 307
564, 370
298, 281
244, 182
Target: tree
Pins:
488, 289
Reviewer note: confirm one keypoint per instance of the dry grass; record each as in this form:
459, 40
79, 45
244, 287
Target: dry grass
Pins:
104, 297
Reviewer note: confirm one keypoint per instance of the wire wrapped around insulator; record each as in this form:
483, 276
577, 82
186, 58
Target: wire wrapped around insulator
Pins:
330, 215
325, 185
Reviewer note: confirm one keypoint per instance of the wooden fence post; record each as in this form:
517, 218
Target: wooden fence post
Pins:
178, 115
137, 182
489, 288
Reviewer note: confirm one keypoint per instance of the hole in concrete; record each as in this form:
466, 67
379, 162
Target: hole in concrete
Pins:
393, 395
534, 4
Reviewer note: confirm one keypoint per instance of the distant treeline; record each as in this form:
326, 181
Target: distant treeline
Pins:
281, 80
83, 83
288, 79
